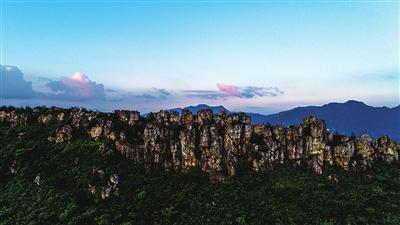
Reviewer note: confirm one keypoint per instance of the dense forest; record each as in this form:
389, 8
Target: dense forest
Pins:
88, 181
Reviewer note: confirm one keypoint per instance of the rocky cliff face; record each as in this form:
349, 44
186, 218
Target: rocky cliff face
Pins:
215, 143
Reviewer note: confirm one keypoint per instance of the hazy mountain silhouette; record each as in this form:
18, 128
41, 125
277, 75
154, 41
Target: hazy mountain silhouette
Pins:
349, 117
195, 109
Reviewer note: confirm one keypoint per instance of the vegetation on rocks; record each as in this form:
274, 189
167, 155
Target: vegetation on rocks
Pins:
85, 179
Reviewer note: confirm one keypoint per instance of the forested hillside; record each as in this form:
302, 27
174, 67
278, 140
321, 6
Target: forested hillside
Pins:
56, 170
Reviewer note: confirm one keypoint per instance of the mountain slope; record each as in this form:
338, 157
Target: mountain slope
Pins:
75, 166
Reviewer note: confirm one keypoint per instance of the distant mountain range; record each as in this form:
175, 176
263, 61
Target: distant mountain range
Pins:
346, 118
195, 109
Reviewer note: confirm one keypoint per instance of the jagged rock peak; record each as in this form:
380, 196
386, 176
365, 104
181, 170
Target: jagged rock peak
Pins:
215, 143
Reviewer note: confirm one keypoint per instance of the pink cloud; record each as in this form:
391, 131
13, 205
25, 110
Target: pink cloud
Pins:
78, 86
80, 83
230, 90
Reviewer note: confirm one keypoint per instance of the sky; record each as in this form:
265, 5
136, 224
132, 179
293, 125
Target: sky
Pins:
259, 56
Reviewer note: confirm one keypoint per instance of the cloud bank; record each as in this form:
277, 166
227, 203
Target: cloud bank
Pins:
232, 91
13, 84
80, 90
251, 92
204, 94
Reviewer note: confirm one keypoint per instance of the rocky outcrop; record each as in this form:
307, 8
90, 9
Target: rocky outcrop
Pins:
38, 180
210, 144
187, 141
103, 186
63, 134
111, 188
159, 140
214, 143
45, 119
13, 118
316, 151
386, 149
343, 154
128, 117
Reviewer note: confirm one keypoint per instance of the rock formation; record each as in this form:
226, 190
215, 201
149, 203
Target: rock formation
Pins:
213, 143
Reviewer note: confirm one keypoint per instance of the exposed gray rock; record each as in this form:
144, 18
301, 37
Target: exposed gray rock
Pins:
128, 117
13, 168
63, 134
38, 180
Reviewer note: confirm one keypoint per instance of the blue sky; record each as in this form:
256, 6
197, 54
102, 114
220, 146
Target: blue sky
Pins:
263, 56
